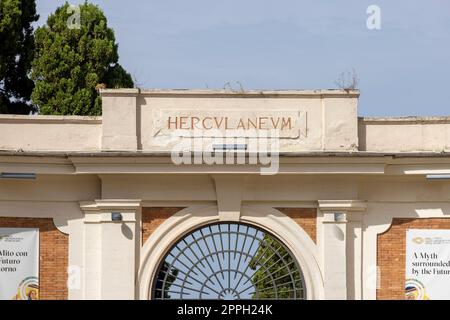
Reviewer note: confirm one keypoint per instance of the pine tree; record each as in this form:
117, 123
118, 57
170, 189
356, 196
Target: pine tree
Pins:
75, 52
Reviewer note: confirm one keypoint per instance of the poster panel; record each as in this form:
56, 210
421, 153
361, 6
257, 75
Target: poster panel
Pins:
427, 264
19, 264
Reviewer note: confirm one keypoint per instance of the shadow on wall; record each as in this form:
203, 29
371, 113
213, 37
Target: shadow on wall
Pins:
127, 232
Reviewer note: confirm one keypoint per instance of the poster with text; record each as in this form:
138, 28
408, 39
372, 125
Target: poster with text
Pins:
19, 264
427, 264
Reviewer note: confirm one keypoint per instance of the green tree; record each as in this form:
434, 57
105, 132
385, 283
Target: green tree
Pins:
169, 274
16, 54
75, 53
277, 275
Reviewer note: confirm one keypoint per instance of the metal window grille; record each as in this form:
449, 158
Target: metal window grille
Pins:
229, 261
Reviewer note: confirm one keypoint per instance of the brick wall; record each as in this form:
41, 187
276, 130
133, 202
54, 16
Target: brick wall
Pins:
306, 218
391, 254
53, 255
153, 217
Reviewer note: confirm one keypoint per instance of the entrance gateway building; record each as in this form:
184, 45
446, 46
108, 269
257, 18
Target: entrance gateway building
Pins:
322, 211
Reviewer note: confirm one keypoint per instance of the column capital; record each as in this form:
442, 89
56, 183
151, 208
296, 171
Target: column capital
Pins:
99, 211
342, 211
342, 205
107, 204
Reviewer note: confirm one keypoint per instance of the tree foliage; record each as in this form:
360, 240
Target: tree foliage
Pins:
16, 54
276, 276
71, 60
170, 274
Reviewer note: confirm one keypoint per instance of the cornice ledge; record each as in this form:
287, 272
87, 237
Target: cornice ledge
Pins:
108, 204
342, 205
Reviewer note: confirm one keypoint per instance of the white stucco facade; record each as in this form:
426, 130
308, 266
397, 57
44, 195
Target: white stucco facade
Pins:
359, 173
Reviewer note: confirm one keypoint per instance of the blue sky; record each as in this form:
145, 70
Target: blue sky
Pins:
404, 68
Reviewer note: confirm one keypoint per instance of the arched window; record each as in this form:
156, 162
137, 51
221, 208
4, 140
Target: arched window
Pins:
229, 261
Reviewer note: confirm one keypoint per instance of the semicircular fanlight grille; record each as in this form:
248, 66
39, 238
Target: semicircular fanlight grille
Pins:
229, 261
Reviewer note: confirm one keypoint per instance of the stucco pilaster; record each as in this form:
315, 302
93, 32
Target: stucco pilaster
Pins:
340, 243
110, 249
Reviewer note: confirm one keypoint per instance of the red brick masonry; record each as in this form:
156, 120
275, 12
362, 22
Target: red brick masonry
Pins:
306, 218
153, 217
391, 254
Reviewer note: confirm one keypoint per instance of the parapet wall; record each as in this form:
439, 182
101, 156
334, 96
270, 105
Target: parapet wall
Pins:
150, 121
156, 120
404, 134
50, 133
